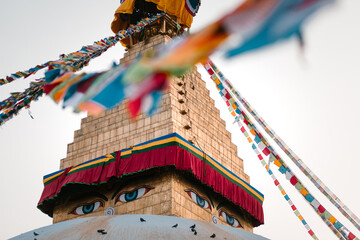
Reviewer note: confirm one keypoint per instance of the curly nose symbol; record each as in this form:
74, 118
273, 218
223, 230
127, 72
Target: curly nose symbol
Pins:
109, 211
214, 219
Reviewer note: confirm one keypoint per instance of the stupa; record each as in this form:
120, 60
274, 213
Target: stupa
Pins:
172, 175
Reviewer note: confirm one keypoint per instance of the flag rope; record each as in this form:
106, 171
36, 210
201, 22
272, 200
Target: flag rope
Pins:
235, 109
276, 182
73, 61
291, 154
77, 60
17, 96
18, 101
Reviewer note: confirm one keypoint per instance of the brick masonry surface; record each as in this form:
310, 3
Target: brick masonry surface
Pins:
186, 109
168, 195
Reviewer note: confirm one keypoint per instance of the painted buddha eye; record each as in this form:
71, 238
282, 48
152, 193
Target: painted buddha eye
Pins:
133, 195
87, 208
202, 202
232, 221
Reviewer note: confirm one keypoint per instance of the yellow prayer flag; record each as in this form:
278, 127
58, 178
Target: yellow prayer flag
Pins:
332, 220
277, 163
304, 192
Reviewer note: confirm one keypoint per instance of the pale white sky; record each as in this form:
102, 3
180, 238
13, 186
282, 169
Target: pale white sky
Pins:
310, 99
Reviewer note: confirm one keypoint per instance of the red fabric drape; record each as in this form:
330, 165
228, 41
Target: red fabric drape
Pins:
170, 155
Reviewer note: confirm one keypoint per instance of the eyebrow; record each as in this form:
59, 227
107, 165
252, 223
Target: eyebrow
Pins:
91, 194
117, 191
221, 204
210, 199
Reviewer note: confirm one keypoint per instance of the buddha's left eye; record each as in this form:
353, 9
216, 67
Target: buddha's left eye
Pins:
133, 195
87, 208
232, 221
202, 202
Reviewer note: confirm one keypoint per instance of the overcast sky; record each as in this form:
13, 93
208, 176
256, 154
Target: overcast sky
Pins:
310, 99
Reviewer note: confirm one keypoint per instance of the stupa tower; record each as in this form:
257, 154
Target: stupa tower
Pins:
186, 109
179, 162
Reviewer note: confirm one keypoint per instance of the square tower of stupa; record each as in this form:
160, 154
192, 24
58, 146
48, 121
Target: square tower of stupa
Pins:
206, 181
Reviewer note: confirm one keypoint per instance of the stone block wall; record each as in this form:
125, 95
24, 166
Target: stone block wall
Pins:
192, 106
114, 130
157, 201
168, 194
186, 109
184, 206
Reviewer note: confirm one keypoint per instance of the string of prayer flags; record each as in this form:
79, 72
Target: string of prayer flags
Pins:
336, 226
147, 76
77, 60
18, 96
276, 182
12, 105
10, 101
81, 58
244, 20
224, 92
291, 154
71, 90
265, 22
24, 74
178, 56
189, 50
228, 100
173, 59
85, 92
97, 92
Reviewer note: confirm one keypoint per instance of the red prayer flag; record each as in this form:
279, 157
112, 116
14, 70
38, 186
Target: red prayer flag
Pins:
321, 209
242, 129
351, 236
293, 180
266, 151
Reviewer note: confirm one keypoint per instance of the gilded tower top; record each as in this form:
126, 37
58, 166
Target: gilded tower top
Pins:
131, 11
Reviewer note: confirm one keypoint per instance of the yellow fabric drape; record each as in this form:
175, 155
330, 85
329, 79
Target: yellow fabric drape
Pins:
172, 7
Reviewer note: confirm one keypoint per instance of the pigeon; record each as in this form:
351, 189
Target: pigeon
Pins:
175, 226
142, 220
102, 231
35, 234
195, 232
193, 226
213, 236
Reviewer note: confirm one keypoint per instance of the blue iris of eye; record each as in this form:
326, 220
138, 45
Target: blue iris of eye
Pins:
230, 220
131, 195
200, 201
88, 208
